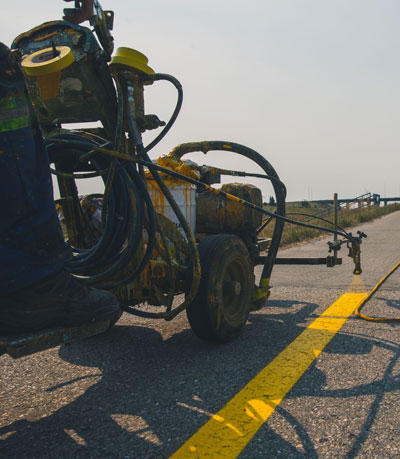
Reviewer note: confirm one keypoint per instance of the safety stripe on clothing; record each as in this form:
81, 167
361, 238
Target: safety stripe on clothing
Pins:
12, 101
14, 113
16, 123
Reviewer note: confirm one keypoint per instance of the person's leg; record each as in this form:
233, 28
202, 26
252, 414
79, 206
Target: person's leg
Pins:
35, 291
31, 242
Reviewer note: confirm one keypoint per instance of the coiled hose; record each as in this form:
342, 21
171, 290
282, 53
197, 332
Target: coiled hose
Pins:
128, 205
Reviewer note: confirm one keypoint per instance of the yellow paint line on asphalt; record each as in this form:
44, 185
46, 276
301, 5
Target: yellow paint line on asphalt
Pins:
227, 433
357, 285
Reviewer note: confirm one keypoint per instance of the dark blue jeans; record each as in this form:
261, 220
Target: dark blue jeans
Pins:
31, 243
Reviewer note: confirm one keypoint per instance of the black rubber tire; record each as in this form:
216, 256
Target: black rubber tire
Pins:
222, 304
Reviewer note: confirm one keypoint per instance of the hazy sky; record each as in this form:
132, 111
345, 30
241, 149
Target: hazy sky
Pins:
313, 85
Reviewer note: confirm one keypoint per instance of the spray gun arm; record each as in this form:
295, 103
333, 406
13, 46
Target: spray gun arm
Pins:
353, 244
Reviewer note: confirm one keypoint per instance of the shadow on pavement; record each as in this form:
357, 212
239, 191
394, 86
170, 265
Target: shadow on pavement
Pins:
154, 394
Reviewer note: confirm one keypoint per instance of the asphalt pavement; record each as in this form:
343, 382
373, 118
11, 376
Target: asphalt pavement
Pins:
147, 387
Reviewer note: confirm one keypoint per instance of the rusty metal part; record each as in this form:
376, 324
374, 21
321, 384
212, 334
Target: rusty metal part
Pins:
134, 82
327, 261
136, 85
155, 279
355, 252
263, 244
83, 91
71, 207
171, 269
149, 287
103, 22
215, 214
195, 259
141, 289
179, 248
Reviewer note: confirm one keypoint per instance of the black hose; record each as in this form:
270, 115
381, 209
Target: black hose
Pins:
142, 152
167, 127
280, 192
203, 186
128, 203
126, 200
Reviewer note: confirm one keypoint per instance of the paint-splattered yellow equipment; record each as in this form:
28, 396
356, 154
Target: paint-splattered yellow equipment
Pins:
159, 229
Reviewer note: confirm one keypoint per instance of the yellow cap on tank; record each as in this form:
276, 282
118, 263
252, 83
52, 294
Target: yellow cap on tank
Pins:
47, 61
131, 58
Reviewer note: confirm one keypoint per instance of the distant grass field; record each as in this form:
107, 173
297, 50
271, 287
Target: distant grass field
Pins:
347, 218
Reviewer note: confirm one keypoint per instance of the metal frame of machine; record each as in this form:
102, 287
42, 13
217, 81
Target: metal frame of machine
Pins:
141, 253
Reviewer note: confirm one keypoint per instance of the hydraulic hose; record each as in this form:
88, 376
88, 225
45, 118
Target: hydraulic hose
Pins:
120, 81
203, 186
123, 85
167, 127
217, 170
129, 202
126, 200
280, 193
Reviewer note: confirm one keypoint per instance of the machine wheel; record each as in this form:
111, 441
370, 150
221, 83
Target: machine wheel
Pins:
221, 307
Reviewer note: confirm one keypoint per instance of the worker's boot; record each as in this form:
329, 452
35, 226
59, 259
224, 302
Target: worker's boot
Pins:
58, 301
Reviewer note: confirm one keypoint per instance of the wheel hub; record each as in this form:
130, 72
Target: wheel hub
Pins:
232, 287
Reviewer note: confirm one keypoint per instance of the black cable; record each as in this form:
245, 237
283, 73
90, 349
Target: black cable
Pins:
264, 224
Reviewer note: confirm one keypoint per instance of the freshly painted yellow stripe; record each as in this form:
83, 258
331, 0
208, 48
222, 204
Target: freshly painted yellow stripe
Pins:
228, 432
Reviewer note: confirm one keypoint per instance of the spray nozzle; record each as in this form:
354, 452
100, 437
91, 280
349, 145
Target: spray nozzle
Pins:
353, 245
